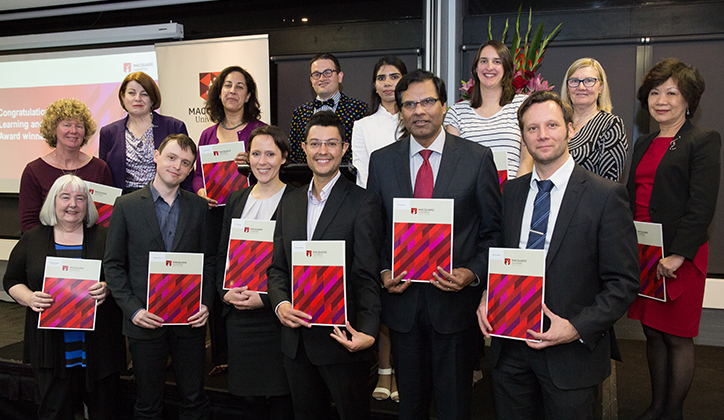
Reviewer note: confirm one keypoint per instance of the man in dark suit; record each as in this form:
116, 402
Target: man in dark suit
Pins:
432, 326
160, 217
584, 225
322, 360
325, 76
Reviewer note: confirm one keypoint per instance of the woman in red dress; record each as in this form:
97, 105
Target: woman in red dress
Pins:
674, 181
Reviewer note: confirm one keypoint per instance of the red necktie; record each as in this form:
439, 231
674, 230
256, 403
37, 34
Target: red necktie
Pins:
424, 182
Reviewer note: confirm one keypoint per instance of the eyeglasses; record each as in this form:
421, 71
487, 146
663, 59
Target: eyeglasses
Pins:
426, 103
327, 74
316, 144
587, 82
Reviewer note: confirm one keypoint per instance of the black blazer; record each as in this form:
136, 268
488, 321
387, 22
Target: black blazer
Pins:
685, 188
592, 271
234, 207
133, 233
106, 352
350, 214
468, 175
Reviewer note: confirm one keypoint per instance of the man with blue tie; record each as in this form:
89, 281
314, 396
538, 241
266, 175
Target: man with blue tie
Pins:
326, 77
584, 225
432, 326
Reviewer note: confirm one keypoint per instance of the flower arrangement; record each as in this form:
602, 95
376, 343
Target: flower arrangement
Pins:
527, 57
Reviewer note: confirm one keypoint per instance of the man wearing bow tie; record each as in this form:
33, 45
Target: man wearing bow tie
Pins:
326, 76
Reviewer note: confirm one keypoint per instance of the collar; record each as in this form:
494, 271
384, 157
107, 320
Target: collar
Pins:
559, 178
337, 96
324, 194
436, 145
155, 194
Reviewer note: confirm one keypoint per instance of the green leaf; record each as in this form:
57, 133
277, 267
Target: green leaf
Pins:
534, 45
490, 28
505, 31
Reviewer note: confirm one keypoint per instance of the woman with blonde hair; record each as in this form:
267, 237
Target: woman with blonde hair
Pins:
599, 143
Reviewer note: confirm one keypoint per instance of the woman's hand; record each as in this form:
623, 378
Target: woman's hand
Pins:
40, 301
242, 159
202, 193
244, 299
667, 266
99, 291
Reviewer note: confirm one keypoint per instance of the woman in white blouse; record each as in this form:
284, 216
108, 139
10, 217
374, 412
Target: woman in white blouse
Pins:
381, 125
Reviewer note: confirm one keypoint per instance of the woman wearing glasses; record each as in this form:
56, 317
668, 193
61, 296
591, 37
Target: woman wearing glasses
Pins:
599, 144
490, 116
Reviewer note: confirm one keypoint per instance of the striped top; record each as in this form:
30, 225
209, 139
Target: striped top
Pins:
499, 132
74, 340
601, 146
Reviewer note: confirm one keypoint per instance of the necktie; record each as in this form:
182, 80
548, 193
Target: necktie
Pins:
318, 104
541, 211
424, 182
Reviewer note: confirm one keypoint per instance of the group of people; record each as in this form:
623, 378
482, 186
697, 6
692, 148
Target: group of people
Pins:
565, 155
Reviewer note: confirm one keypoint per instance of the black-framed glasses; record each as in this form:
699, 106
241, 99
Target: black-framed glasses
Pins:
426, 103
587, 82
327, 74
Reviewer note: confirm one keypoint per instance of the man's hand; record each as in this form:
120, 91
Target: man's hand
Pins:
359, 341
99, 292
291, 317
395, 285
145, 319
198, 319
561, 331
244, 299
482, 313
668, 265
452, 282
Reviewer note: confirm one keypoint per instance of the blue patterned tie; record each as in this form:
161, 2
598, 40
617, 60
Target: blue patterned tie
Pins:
541, 211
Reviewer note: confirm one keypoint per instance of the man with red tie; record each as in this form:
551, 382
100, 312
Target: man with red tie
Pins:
432, 326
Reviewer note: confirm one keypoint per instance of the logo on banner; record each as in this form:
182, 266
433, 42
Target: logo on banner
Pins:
65, 268
246, 229
309, 253
205, 81
168, 263
126, 67
507, 261
413, 210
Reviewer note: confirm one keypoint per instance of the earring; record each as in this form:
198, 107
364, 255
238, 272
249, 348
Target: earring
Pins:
687, 111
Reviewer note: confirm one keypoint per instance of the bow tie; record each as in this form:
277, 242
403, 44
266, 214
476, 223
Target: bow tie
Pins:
318, 104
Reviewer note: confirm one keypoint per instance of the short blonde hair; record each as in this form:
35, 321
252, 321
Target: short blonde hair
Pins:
47, 212
66, 109
604, 100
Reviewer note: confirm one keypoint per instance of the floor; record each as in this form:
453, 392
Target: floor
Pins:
630, 381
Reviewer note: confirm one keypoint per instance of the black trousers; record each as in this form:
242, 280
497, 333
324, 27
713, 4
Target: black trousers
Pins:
59, 397
523, 388
149, 366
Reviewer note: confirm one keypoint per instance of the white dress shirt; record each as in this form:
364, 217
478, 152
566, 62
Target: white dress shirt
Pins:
560, 183
416, 159
315, 207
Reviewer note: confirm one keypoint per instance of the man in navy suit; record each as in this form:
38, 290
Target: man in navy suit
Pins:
432, 326
591, 278
161, 217
321, 360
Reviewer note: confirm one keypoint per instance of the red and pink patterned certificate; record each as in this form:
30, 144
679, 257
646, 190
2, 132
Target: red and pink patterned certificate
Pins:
501, 164
174, 285
318, 281
68, 281
249, 254
651, 250
515, 292
104, 198
221, 174
422, 237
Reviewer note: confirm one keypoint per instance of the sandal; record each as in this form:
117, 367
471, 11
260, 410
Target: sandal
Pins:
382, 392
394, 395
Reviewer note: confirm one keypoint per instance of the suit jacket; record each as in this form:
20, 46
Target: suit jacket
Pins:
592, 271
234, 207
685, 188
467, 174
348, 110
112, 145
133, 233
350, 214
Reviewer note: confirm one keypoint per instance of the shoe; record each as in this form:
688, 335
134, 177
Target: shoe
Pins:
394, 395
382, 392
477, 376
218, 369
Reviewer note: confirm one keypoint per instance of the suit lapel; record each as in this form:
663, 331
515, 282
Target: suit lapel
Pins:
183, 216
520, 196
149, 213
334, 202
449, 160
571, 198
402, 171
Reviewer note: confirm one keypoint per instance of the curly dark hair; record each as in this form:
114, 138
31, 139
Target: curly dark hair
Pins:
688, 80
476, 99
214, 107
